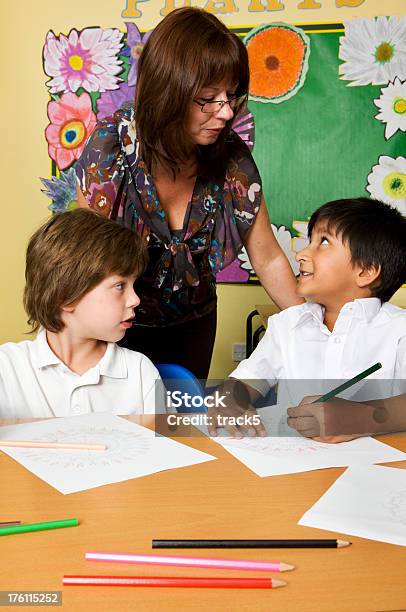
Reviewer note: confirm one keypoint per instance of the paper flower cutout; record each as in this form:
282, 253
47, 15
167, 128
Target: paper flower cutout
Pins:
300, 241
110, 101
72, 121
284, 237
373, 50
87, 59
62, 191
244, 125
278, 57
135, 44
233, 273
392, 103
387, 181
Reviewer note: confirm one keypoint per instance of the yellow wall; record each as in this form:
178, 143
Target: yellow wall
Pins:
23, 147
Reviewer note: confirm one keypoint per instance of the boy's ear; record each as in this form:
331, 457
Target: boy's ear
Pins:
367, 276
68, 308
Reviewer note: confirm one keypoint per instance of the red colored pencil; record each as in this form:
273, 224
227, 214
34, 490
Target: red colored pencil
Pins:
174, 581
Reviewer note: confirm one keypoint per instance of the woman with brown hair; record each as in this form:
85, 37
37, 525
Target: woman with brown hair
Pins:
173, 171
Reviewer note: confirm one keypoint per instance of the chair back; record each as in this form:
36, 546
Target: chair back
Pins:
176, 378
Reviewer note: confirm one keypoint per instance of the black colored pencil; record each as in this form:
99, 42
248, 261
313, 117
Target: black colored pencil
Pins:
249, 543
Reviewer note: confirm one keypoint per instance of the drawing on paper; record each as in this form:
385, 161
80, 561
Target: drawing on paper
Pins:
274, 446
396, 504
122, 446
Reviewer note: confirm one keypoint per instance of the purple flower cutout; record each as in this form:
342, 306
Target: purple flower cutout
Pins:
244, 125
135, 43
110, 101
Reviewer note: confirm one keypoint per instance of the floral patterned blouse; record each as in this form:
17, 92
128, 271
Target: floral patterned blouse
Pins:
179, 283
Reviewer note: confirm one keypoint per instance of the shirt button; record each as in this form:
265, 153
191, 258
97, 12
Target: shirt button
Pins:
337, 340
77, 410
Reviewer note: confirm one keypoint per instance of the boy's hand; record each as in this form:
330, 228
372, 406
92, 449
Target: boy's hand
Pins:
238, 417
337, 420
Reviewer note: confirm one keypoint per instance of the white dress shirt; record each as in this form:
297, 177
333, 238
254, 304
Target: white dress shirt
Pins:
299, 350
34, 382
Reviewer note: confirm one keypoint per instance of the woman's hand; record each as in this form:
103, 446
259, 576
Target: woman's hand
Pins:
270, 263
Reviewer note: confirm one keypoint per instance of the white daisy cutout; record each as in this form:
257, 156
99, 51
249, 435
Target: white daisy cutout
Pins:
245, 261
301, 241
373, 50
284, 237
387, 182
392, 103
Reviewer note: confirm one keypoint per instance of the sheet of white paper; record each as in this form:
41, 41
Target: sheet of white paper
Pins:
286, 452
365, 501
132, 451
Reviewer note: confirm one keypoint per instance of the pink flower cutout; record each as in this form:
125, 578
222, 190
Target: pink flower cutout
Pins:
72, 121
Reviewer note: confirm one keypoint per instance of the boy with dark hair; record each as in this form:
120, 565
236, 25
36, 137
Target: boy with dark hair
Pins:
79, 296
354, 263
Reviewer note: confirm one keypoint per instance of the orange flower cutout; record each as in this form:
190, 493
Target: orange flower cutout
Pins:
278, 57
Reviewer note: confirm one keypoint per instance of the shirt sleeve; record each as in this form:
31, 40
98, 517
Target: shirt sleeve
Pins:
400, 366
262, 368
242, 196
6, 411
153, 389
244, 186
100, 171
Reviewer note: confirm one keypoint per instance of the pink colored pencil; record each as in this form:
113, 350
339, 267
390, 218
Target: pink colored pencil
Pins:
263, 566
174, 581
36, 444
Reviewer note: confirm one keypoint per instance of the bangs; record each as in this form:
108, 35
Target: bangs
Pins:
339, 224
224, 58
128, 256
334, 223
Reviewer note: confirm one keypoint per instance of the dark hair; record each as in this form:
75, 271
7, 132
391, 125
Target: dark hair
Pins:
376, 235
68, 256
188, 50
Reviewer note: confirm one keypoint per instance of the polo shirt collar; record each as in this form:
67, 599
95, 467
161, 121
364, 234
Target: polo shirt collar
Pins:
363, 308
111, 364
310, 310
44, 356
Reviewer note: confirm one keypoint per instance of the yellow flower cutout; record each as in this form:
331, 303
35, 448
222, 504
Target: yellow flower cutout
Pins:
278, 58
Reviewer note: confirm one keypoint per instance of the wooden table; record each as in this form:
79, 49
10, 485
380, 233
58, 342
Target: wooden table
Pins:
219, 499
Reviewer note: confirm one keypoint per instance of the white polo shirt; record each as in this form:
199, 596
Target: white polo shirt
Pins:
297, 346
34, 382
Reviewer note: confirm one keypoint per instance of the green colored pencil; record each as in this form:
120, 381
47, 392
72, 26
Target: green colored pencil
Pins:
349, 383
38, 526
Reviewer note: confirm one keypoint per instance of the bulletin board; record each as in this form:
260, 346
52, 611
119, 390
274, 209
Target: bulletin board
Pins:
326, 118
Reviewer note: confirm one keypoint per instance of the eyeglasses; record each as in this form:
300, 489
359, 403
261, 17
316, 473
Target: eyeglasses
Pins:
214, 106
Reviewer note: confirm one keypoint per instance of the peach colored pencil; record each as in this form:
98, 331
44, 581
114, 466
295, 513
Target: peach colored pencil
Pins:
36, 444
